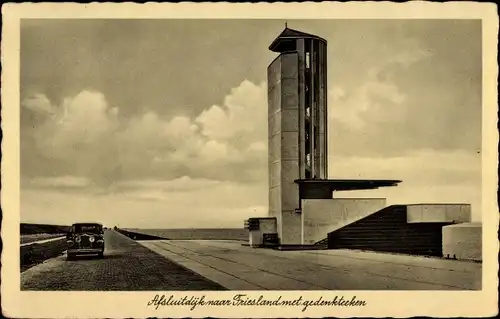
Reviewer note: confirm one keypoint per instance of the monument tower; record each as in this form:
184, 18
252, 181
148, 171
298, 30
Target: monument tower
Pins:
304, 208
297, 141
297, 124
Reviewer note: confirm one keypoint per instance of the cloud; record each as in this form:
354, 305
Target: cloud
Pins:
222, 143
87, 138
243, 116
60, 181
381, 126
182, 184
373, 95
38, 103
77, 128
379, 94
409, 100
257, 147
145, 210
428, 177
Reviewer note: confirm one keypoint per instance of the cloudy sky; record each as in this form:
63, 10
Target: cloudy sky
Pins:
163, 123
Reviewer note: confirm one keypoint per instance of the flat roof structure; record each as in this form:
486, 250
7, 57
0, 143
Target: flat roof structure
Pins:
347, 184
324, 188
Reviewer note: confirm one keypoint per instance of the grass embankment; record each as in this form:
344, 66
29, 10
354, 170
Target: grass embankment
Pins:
27, 229
34, 253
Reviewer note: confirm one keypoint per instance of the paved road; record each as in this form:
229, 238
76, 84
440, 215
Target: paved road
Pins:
218, 265
127, 266
237, 267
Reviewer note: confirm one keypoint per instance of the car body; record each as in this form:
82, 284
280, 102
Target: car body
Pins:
85, 239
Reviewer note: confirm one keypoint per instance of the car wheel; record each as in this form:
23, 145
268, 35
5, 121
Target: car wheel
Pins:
101, 255
70, 257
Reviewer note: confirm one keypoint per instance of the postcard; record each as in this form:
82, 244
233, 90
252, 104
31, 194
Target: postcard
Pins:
250, 160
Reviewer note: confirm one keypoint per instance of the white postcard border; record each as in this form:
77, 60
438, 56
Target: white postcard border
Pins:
134, 304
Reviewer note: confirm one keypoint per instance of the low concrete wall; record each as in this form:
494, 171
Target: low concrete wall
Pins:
438, 213
137, 235
463, 241
322, 216
266, 226
192, 233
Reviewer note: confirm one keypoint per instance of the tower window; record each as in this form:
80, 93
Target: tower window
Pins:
308, 60
308, 174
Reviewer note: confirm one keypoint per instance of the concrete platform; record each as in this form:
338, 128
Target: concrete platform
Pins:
238, 267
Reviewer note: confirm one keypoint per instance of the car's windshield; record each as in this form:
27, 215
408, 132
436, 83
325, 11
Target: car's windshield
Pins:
83, 228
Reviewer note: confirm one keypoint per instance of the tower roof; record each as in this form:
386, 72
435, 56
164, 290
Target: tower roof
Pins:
290, 34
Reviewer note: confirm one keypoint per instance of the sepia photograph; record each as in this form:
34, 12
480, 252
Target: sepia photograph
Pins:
207, 156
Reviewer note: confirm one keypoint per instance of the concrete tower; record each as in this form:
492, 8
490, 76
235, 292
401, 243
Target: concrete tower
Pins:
297, 124
298, 155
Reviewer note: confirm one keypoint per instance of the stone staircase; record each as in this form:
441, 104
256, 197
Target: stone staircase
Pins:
387, 230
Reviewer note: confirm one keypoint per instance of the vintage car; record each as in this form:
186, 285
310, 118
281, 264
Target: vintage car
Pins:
85, 239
